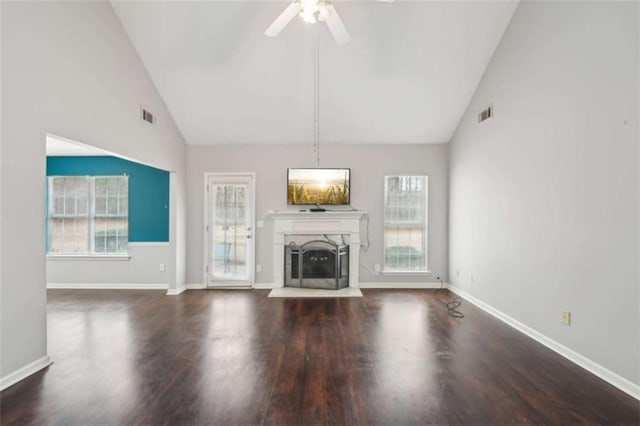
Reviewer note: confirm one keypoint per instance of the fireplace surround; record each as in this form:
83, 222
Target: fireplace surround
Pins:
291, 224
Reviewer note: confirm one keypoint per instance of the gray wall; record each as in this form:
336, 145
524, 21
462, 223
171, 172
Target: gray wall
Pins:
69, 69
369, 164
142, 267
544, 196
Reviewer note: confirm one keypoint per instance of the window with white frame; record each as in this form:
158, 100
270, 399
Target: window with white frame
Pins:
88, 215
405, 223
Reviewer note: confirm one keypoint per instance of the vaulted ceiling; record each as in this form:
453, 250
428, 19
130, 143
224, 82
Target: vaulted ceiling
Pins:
406, 76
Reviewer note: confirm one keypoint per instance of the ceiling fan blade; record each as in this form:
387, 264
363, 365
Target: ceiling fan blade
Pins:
285, 17
336, 27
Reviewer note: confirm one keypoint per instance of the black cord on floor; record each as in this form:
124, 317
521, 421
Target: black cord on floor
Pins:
453, 305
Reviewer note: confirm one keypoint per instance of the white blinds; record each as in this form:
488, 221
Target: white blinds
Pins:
405, 223
87, 215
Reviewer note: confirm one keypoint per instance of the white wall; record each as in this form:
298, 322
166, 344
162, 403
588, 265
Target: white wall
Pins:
69, 69
177, 268
369, 164
1, 196
141, 269
544, 205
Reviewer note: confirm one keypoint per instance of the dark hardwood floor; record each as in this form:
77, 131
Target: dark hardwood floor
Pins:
239, 358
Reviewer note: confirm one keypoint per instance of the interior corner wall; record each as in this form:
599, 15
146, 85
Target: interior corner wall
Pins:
369, 164
1, 196
544, 196
68, 69
177, 270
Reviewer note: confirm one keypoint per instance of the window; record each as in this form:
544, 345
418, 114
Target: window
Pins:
88, 215
405, 223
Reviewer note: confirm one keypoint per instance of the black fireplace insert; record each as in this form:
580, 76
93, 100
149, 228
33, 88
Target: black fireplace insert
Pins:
316, 264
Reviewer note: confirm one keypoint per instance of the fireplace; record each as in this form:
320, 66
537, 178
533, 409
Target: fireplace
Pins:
302, 227
316, 264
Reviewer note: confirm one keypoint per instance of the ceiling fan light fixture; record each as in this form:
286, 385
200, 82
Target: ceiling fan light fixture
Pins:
313, 11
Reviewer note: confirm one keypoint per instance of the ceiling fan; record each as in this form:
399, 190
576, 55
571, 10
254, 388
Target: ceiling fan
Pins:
312, 12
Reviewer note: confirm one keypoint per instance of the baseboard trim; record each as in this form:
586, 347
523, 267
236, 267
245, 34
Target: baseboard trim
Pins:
195, 286
593, 367
107, 286
24, 372
402, 285
176, 291
269, 286
264, 286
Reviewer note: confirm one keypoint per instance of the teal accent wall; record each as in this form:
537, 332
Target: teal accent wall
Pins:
148, 191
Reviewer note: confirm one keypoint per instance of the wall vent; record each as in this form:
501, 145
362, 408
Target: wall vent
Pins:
147, 116
485, 114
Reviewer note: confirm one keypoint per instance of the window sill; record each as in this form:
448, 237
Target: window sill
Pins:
88, 257
406, 273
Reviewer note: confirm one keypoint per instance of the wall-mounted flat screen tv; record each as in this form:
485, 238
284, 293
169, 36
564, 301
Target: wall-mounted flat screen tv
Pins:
329, 187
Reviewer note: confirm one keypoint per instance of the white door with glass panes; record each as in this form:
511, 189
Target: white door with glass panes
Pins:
229, 230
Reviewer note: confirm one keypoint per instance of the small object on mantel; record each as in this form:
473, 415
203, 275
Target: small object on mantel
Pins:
317, 208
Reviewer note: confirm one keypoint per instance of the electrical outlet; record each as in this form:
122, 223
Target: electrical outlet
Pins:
458, 272
470, 278
258, 268
566, 317
376, 268
162, 268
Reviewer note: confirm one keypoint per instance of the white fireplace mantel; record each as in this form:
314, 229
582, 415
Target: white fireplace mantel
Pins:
289, 222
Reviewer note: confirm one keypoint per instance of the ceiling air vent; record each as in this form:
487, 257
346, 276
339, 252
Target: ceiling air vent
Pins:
147, 116
485, 114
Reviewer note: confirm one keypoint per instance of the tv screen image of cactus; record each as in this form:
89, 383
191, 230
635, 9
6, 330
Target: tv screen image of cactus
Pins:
318, 186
